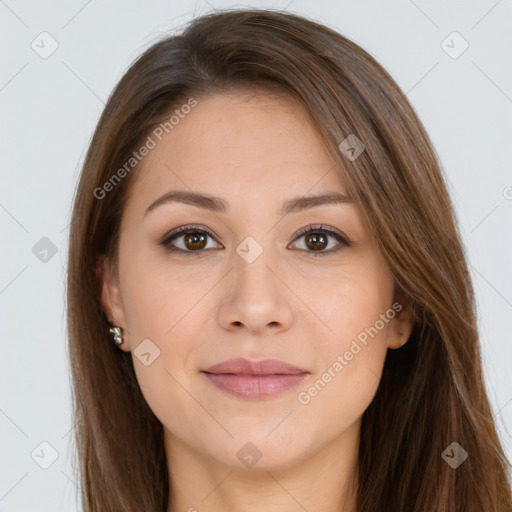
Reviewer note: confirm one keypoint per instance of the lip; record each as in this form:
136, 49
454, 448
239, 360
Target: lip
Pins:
255, 379
263, 367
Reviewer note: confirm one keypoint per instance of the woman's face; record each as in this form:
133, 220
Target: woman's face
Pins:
245, 283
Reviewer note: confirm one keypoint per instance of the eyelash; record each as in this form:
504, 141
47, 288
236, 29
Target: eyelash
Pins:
166, 242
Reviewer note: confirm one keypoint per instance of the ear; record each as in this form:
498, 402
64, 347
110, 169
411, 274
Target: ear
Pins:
110, 296
400, 327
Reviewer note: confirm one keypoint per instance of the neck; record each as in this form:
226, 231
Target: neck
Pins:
325, 480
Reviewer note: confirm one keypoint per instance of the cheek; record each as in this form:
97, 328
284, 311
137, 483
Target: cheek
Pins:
349, 304
161, 310
345, 384
351, 356
157, 298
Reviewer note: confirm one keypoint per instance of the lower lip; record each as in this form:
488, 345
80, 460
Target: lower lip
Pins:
254, 386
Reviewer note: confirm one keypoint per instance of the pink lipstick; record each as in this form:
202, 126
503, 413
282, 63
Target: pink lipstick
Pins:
255, 379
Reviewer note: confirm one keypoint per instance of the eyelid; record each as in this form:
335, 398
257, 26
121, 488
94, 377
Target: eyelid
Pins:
183, 229
320, 227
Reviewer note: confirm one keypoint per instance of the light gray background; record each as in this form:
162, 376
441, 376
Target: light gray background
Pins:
49, 108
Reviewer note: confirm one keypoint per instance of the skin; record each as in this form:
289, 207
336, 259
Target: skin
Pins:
255, 151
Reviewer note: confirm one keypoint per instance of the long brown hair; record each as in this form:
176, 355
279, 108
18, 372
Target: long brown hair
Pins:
432, 392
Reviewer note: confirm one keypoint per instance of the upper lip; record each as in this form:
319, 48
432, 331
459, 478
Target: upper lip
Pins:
263, 367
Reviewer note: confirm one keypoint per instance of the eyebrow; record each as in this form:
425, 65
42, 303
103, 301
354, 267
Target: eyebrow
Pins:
219, 205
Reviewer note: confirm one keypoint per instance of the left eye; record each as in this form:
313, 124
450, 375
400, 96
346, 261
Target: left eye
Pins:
316, 241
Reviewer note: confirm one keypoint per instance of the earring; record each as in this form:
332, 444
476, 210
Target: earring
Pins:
118, 335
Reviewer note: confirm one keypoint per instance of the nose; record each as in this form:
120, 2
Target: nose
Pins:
257, 297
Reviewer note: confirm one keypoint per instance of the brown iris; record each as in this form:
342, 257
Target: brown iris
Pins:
194, 240
316, 241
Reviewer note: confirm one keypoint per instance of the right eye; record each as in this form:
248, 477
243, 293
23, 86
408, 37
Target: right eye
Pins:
192, 239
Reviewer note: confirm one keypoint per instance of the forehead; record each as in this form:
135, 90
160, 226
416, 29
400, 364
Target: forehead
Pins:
246, 142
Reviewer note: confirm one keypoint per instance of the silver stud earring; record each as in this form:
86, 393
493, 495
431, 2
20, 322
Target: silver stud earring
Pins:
118, 335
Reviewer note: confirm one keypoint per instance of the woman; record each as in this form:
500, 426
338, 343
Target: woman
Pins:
263, 227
